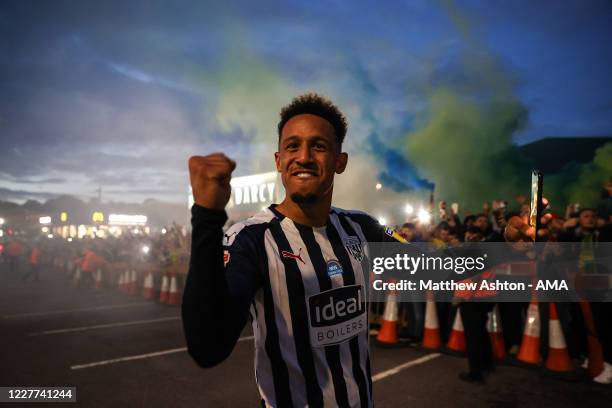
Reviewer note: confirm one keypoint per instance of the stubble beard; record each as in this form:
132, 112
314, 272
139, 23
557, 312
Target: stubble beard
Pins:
309, 198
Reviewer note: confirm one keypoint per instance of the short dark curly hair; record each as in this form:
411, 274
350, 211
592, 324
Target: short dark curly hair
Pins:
315, 104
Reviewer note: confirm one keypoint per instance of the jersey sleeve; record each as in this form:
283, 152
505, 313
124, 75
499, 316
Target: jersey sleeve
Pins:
220, 286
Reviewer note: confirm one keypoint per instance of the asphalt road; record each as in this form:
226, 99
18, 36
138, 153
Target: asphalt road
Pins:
121, 350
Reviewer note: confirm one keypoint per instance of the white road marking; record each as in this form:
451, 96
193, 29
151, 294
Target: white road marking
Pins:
87, 309
139, 356
412, 363
103, 326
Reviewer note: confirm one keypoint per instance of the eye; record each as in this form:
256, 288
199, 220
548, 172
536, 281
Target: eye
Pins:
291, 146
320, 146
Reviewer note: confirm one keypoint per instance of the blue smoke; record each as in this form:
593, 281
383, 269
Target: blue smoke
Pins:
397, 173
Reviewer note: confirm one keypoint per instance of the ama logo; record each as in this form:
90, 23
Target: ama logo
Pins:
334, 268
337, 315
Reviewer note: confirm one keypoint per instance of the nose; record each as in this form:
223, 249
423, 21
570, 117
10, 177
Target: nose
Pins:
304, 155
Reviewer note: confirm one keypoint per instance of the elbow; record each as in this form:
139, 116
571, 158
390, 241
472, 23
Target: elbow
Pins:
206, 358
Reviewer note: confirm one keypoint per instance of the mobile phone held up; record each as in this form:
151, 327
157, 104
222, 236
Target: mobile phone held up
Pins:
535, 214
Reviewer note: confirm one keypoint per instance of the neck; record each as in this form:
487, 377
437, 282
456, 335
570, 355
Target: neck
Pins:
313, 214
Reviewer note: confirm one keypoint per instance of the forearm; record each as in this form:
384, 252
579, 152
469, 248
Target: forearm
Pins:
212, 318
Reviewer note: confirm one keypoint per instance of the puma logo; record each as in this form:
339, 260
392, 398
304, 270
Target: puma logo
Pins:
227, 237
287, 254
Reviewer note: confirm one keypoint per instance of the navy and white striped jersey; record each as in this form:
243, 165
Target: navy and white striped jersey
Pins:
305, 289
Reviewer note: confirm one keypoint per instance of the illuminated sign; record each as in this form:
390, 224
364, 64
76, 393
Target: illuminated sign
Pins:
256, 189
44, 220
63, 216
97, 216
125, 219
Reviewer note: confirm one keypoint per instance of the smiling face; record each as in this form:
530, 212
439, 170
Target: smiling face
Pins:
308, 157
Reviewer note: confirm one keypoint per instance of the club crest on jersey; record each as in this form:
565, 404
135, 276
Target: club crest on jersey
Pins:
337, 315
389, 231
353, 246
290, 255
226, 257
334, 268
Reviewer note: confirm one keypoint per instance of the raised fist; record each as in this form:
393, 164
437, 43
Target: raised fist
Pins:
210, 180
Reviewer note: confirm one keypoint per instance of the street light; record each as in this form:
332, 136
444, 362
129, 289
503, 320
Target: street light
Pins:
1, 221
424, 216
409, 209
378, 186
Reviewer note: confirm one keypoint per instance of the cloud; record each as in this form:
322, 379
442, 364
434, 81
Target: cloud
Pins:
7, 194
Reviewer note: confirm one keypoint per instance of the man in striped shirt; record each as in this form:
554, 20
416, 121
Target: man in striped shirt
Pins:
298, 268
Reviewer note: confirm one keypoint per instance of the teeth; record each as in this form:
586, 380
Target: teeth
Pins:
303, 175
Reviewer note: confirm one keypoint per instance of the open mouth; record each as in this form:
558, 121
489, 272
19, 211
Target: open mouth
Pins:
304, 174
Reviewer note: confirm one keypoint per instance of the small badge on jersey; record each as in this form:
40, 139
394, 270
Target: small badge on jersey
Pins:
226, 257
334, 268
353, 246
337, 315
389, 231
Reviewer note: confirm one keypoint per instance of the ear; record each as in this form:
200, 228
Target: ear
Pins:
277, 161
341, 163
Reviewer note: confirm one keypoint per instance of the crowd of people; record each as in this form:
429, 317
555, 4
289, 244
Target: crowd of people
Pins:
585, 226
24, 256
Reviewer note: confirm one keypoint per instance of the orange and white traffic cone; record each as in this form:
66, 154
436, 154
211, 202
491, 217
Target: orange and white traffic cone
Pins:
131, 288
148, 291
173, 295
126, 281
530, 346
456, 340
495, 332
558, 358
77, 277
98, 282
596, 364
388, 328
163, 295
431, 334
120, 282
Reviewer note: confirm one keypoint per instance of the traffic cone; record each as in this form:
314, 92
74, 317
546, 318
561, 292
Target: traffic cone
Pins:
132, 283
456, 340
558, 358
495, 332
431, 334
163, 296
388, 328
173, 295
148, 289
125, 281
596, 366
120, 283
98, 284
530, 346
77, 277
